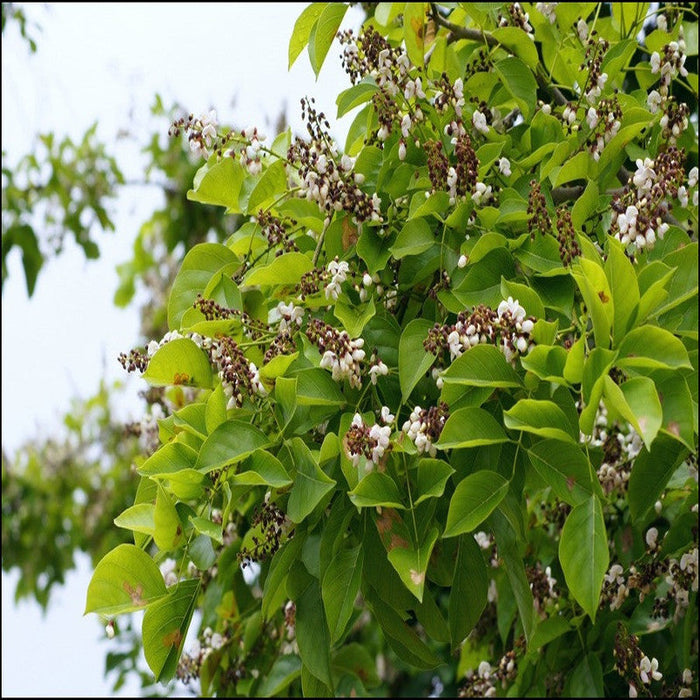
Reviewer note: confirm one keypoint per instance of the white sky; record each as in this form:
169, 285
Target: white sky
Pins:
105, 62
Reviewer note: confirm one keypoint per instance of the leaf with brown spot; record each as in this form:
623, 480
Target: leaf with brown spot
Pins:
164, 628
603, 297
350, 233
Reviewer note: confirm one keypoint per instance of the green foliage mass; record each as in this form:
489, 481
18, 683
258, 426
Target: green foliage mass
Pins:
427, 416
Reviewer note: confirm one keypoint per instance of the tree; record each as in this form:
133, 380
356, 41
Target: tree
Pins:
432, 404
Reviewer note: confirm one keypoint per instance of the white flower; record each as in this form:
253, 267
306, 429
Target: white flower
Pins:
592, 117
654, 101
217, 641
582, 30
651, 537
402, 150
516, 311
504, 166
693, 177
109, 629
386, 415
547, 9
661, 23
380, 369
648, 670
462, 262
484, 670
479, 122
655, 62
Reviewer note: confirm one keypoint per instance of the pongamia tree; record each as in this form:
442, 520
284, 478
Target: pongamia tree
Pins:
430, 411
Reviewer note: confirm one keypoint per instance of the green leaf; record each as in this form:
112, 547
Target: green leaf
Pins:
637, 401
575, 168
596, 293
624, 289
323, 32
285, 269
575, 362
583, 553
652, 471
179, 361
230, 442
414, 29
284, 671
414, 238
548, 630
651, 347
587, 678
354, 317
168, 528
376, 489
341, 583
548, 362
677, 405
218, 183
124, 580
170, 458
507, 543
311, 484
431, 478
268, 186
274, 591
208, 528
138, 518
356, 659
411, 563
470, 427
402, 638
262, 469
355, 95
414, 360
543, 418
518, 80
518, 42
198, 267
469, 593
565, 468
585, 205
316, 387
165, 626
473, 501
312, 633
482, 365
302, 30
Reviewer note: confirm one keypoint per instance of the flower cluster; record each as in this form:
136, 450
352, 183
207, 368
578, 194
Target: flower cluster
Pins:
376, 368
482, 682
191, 661
542, 586
604, 122
250, 154
620, 443
239, 377
548, 9
372, 55
341, 354
449, 95
566, 235
327, 178
683, 578
368, 442
201, 132
538, 218
631, 663
669, 64
638, 213
276, 232
338, 271
274, 528
595, 53
517, 17
508, 327
425, 425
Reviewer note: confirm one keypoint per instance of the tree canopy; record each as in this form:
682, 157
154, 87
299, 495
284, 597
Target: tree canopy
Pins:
422, 412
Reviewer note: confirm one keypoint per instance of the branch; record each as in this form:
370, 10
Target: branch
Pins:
458, 32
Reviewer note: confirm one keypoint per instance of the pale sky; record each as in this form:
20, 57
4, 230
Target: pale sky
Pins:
105, 62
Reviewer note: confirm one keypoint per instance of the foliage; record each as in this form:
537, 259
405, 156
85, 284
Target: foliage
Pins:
437, 393
62, 189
